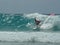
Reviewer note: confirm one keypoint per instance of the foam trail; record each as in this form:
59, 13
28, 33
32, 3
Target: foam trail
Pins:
46, 20
46, 25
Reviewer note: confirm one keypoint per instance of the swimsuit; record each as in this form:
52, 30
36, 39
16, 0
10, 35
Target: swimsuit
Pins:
37, 22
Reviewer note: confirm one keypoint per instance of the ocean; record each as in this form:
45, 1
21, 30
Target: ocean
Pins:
19, 29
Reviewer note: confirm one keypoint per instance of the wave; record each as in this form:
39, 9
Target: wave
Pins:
30, 36
52, 22
25, 22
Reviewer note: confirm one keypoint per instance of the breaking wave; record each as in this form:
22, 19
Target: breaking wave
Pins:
53, 21
25, 22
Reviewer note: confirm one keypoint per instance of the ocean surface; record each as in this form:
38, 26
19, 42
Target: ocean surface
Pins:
19, 29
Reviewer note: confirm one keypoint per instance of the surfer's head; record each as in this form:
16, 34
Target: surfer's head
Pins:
37, 18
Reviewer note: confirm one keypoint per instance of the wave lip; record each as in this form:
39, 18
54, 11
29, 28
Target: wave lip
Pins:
30, 36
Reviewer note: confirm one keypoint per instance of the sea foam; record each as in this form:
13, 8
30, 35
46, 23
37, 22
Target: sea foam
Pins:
30, 36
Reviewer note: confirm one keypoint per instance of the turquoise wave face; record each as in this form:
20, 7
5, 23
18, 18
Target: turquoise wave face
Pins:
14, 22
19, 22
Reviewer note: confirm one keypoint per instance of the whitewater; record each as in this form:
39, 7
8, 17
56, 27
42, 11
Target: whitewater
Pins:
18, 28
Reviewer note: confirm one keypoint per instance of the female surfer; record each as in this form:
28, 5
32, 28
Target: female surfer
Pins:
37, 22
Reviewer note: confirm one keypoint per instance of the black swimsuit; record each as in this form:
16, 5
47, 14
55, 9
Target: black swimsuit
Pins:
37, 22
